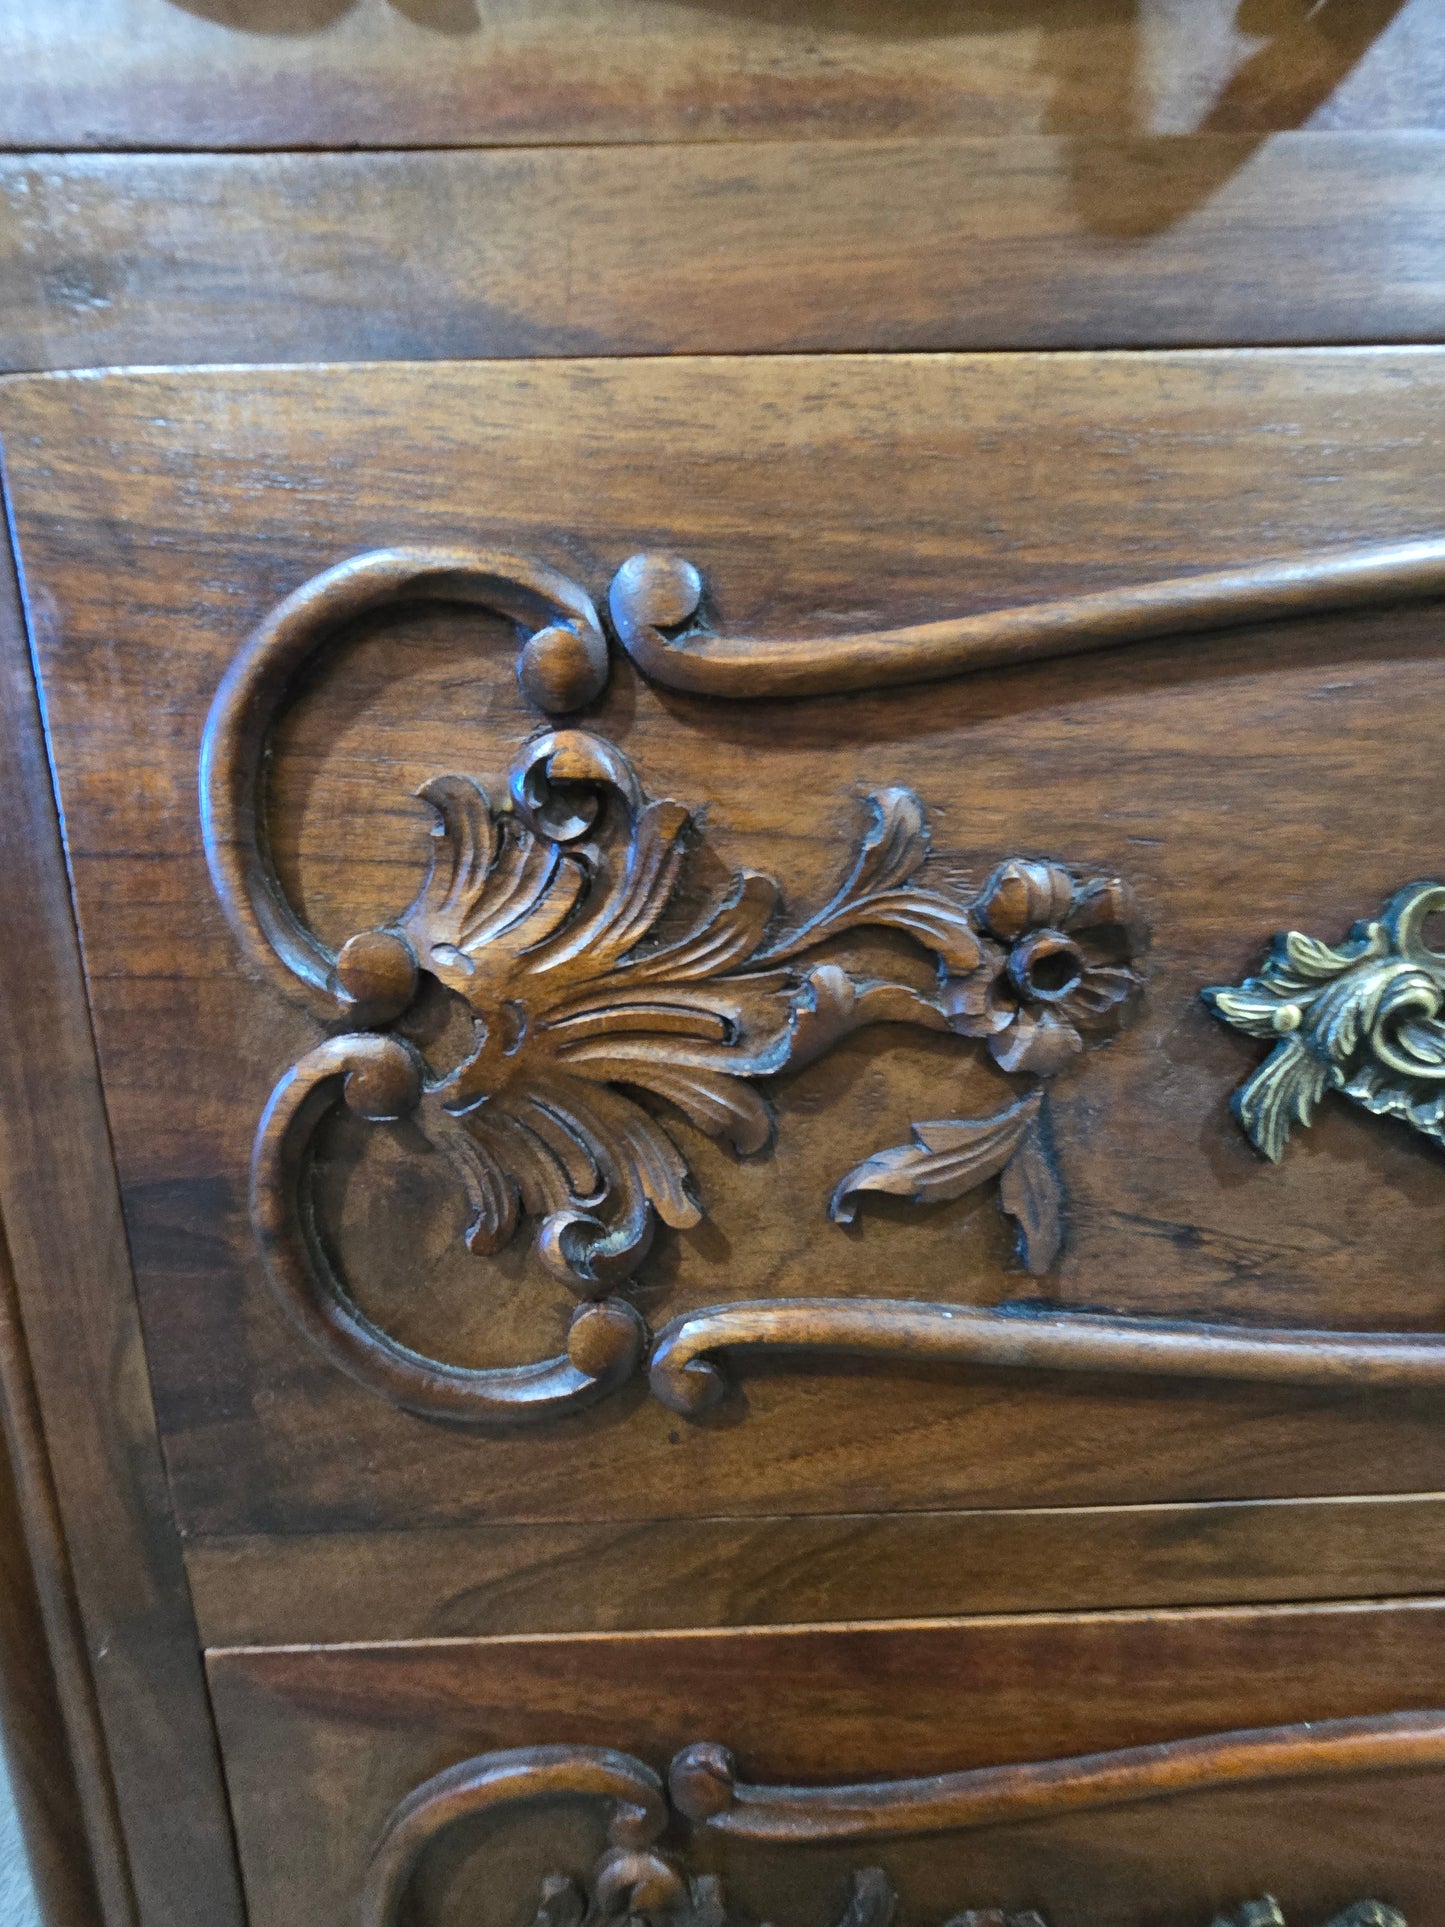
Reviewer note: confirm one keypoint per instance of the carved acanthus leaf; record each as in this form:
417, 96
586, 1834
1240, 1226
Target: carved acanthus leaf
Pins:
870, 1900
595, 1010
548, 917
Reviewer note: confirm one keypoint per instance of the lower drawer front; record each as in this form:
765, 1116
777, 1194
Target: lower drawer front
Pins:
1105, 1770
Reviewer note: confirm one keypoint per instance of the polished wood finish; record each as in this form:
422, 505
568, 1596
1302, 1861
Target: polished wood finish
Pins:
463, 1659
819, 1709
632, 1877
655, 606
318, 73
705, 1788
74, 1288
482, 1578
805, 482
1016, 241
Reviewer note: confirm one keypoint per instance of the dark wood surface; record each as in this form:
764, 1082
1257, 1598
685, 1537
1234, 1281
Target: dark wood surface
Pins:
421, 73
560, 178
1202, 770
448, 1582
997, 241
81, 1336
363, 1726
48, 1723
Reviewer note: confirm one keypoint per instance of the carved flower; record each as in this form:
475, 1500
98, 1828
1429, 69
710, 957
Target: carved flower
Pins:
1056, 963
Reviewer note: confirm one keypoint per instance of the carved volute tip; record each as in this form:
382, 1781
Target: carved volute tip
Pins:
702, 1781
690, 1389
561, 669
385, 1083
605, 1340
376, 973
656, 591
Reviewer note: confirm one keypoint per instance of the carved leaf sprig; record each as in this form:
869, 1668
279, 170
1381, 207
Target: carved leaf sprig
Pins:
952, 1156
1365, 1017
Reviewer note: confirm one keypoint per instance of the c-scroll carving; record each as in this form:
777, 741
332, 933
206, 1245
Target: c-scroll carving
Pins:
554, 919
562, 665
635, 1881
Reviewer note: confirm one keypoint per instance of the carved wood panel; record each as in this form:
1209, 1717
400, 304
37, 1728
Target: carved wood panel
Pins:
636, 1879
1184, 1323
556, 919
1106, 1770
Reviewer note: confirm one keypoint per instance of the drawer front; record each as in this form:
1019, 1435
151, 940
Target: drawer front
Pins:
1108, 1771
705, 1074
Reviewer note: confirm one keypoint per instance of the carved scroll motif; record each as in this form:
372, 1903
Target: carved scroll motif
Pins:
658, 608
1366, 1018
635, 1880
544, 918
551, 917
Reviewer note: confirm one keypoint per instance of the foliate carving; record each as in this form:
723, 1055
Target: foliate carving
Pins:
557, 920
870, 1899
545, 917
635, 1881
1058, 963
1267, 1913
1366, 1017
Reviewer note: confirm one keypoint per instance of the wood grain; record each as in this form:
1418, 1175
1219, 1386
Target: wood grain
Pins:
487, 1579
67, 1244
57, 1771
307, 73
867, 489
360, 1728
998, 242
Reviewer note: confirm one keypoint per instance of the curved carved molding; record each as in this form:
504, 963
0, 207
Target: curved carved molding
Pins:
1366, 1018
634, 1881
688, 1376
656, 601
380, 1078
704, 1787
542, 916
562, 665
630, 1794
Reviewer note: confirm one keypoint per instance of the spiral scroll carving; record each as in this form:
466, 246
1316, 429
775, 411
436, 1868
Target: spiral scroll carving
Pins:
642, 1875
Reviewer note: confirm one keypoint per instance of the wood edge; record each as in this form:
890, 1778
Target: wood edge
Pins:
118, 1543
606, 1577
266, 1651
53, 1742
